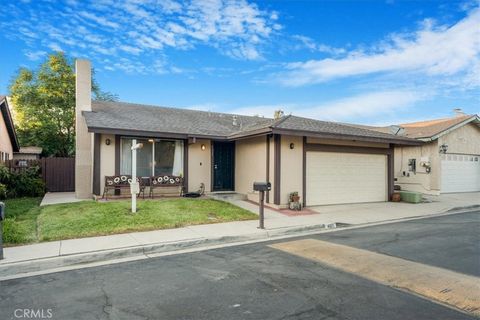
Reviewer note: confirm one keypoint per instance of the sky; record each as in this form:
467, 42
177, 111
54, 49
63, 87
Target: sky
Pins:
368, 62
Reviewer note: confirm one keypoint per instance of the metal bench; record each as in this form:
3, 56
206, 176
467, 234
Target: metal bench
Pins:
165, 181
121, 182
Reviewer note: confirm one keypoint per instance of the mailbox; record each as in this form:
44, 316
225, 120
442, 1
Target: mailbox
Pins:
262, 186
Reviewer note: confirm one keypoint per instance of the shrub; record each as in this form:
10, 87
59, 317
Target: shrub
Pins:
21, 184
3, 191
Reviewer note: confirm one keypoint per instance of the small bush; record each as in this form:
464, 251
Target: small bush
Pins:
3, 191
21, 184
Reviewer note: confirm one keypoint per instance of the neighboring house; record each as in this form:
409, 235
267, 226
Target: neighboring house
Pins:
8, 137
451, 152
325, 162
448, 162
28, 153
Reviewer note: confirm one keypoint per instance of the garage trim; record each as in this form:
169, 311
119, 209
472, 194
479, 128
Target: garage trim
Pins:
389, 152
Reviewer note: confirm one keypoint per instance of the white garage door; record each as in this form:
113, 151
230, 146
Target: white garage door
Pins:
334, 178
460, 173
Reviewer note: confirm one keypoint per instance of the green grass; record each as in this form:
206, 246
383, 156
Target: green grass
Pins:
20, 225
89, 218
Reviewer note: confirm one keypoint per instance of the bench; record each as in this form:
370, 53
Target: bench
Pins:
166, 181
121, 182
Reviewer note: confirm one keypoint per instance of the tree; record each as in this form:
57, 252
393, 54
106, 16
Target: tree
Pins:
44, 105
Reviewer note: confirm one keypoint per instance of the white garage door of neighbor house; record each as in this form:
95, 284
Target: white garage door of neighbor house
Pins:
460, 173
334, 178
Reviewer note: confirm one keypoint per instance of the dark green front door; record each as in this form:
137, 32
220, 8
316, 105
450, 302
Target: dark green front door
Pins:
223, 166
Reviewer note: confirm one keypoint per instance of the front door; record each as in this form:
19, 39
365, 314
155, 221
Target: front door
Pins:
223, 166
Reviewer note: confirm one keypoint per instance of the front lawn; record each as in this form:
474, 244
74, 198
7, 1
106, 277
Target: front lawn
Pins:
20, 225
89, 218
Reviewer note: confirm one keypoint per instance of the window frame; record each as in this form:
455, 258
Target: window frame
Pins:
153, 151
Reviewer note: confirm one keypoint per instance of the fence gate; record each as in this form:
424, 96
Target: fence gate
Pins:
59, 174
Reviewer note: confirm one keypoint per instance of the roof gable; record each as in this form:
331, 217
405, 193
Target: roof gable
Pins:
433, 129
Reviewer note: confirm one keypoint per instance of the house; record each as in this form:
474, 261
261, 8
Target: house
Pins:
447, 162
28, 153
8, 136
325, 162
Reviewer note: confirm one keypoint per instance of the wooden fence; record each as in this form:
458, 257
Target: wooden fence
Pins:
57, 173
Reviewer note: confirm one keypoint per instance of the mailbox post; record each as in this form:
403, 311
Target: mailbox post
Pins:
261, 187
2, 217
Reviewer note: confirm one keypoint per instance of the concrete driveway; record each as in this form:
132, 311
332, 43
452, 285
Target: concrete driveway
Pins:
371, 212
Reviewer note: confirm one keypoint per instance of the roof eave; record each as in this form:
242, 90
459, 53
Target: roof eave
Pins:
7, 116
325, 135
252, 133
152, 134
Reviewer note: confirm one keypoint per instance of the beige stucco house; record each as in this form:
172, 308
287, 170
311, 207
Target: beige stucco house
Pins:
8, 137
325, 162
447, 162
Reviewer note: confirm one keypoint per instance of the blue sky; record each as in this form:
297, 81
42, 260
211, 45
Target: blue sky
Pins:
372, 62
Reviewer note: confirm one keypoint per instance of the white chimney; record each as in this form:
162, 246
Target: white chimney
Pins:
234, 120
84, 139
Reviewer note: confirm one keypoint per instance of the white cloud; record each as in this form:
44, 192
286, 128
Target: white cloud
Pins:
35, 55
364, 105
131, 29
357, 109
305, 42
430, 51
54, 46
100, 20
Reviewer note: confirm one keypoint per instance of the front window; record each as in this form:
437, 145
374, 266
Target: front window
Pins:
157, 157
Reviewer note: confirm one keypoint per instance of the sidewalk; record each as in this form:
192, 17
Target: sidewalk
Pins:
48, 255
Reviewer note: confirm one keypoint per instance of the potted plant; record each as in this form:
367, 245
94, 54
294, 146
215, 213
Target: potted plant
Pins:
294, 201
294, 197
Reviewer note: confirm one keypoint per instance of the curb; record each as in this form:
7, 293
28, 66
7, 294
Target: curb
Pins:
474, 206
23, 268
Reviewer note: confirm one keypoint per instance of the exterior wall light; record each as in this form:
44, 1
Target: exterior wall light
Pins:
107, 142
292, 145
443, 148
203, 147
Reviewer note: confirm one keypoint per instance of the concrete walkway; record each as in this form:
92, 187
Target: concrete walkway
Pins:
74, 251
58, 197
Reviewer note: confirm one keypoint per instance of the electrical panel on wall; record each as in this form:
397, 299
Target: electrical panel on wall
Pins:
412, 165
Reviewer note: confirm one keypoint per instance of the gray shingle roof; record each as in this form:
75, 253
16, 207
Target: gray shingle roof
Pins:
130, 117
334, 128
136, 117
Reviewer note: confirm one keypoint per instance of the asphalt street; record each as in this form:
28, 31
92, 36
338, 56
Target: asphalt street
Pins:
257, 282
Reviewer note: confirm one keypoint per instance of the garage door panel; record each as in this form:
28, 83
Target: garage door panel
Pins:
460, 173
334, 178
